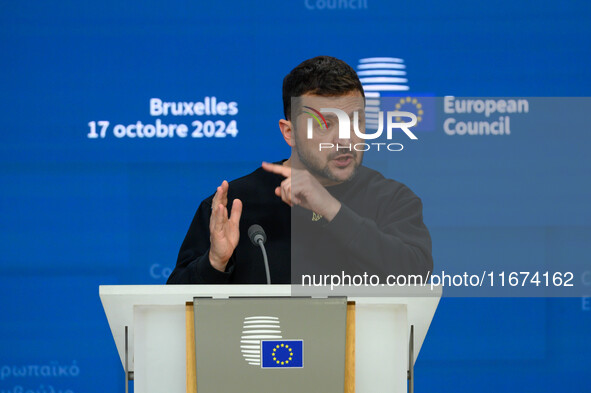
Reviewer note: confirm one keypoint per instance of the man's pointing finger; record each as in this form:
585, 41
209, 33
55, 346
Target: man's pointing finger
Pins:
278, 169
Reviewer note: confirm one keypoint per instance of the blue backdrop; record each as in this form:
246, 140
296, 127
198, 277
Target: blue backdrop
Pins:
82, 208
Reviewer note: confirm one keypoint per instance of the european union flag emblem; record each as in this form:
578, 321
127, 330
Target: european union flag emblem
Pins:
282, 354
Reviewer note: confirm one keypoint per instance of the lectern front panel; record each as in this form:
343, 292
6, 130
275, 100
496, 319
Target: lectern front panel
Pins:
270, 345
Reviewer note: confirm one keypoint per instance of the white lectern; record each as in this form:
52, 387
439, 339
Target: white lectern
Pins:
148, 325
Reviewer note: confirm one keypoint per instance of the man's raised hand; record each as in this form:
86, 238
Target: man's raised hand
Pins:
224, 231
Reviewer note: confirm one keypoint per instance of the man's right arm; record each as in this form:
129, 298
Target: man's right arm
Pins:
193, 265
206, 253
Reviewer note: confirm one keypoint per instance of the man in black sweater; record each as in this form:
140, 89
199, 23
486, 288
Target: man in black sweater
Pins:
323, 212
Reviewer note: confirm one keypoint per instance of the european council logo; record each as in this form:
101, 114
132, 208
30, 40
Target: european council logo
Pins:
385, 84
282, 354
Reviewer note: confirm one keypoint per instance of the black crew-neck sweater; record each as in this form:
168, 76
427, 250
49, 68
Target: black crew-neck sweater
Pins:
378, 230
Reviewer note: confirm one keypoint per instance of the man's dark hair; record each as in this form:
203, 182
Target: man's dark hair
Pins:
322, 75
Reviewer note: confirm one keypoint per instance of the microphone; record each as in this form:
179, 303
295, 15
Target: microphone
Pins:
258, 237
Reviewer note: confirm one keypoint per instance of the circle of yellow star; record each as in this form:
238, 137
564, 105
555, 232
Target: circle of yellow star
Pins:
274, 354
414, 102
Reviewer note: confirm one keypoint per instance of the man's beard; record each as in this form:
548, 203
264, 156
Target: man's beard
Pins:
325, 172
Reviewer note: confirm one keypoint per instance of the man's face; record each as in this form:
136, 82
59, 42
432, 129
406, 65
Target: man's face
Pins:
328, 164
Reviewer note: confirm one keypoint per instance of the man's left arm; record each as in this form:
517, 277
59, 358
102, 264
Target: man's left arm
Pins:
397, 242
